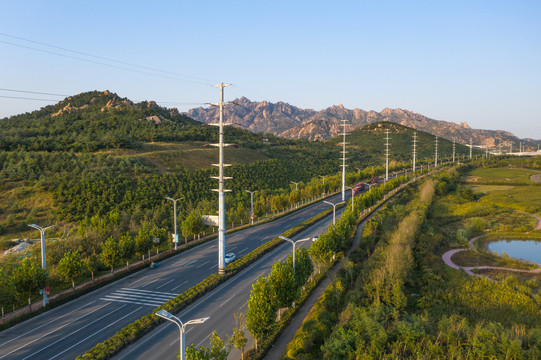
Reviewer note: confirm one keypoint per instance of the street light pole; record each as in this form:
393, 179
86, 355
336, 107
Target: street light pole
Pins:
43, 259
294, 243
182, 327
175, 216
296, 185
334, 209
252, 203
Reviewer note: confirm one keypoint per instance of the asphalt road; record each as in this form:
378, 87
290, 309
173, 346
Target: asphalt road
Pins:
220, 305
69, 330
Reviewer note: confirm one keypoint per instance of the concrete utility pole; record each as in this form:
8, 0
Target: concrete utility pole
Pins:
251, 204
436, 153
454, 148
471, 147
486, 152
175, 235
43, 258
221, 182
387, 154
344, 152
414, 150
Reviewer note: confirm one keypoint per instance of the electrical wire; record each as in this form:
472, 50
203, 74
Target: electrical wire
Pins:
25, 98
104, 64
32, 92
104, 58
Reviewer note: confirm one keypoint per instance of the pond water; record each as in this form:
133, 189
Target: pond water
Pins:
529, 250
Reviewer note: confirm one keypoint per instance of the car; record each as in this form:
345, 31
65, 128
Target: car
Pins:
154, 265
314, 239
229, 257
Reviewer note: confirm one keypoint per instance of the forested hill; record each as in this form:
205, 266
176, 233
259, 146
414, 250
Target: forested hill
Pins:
102, 120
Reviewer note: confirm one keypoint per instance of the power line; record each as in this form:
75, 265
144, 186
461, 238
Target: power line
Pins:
25, 98
33, 92
105, 64
104, 58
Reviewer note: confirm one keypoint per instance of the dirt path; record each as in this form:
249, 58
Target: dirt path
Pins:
536, 178
469, 269
538, 222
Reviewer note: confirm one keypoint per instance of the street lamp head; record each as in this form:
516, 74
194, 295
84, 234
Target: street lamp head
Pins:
165, 314
197, 321
284, 238
37, 227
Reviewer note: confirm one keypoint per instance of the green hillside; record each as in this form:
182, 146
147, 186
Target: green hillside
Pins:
367, 145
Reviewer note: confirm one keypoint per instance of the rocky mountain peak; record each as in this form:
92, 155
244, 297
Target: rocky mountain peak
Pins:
285, 120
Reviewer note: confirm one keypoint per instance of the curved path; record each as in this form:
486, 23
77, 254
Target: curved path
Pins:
538, 222
468, 269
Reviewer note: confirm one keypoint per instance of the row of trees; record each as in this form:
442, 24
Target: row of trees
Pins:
276, 291
282, 286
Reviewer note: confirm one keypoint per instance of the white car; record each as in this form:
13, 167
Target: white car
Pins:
229, 257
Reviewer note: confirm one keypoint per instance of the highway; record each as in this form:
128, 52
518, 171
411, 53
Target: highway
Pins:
220, 305
72, 328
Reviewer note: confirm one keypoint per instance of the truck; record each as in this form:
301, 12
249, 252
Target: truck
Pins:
358, 188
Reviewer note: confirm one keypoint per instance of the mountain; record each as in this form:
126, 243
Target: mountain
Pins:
285, 120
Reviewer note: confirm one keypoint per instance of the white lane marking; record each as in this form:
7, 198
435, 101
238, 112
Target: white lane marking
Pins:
140, 295
204, 340
191, 262
162, 285
132, 302
88, 337
227, 300
39, 327
202, 264
151, 282
233, 248
176, 287
243, 306
136, 281
157, 332
50, 332
243, 250
150, 291
214, 266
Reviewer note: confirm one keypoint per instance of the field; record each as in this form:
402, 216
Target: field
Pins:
501, 175
168, 157
18, 209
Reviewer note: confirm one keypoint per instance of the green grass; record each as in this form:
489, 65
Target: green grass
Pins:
168, 157
485, 258
23, 203
500, 175
523, 198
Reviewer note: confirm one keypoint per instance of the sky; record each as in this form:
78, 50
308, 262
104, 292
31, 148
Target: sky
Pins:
462, 61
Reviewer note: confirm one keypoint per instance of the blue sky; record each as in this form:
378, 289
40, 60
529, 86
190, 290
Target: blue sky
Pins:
472, 61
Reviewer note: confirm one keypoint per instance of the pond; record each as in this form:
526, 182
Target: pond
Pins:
529, 250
